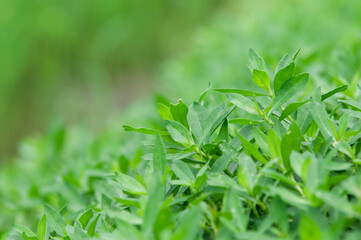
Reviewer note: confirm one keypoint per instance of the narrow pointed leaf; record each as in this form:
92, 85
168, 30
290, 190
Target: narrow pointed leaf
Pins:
144, 130
288, 90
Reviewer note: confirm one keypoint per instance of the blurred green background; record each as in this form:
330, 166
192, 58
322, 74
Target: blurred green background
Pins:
96, 64
83, 60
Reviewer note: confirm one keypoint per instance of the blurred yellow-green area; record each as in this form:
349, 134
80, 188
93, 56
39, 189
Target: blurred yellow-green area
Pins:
83, 60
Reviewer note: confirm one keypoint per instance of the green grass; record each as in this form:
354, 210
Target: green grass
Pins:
279, 162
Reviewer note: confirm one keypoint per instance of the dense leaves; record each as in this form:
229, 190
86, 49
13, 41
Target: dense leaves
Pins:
281, 165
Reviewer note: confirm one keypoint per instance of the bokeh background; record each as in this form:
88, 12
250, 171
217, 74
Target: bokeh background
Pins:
71, 72
85, 61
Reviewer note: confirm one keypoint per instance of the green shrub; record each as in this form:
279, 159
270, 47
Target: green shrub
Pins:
276, 163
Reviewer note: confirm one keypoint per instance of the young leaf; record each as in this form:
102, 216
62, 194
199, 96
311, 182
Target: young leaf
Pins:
55, 221
333, 92
291, 141
197, 117
343, 124
221, 163
245, 93
256, 62
164, 112
283, 76
182, 171
189, 226
244, 121
179, 112
85, 218
262, 79
352, 103
223, 132
243, 103
274, 144
247, 172
320, 116
42, 229
144, 130
284, 62
159, 156
288, 90
215, 118
252, 149
129, 184
23, 229
290, 109
178, 132
203, 94
154, 203
92, 226
261, 139
233, 206
279, 211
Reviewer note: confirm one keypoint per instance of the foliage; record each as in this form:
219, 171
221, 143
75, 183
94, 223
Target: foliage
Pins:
277, 163
57, 58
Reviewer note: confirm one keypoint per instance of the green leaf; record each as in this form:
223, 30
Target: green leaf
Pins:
284, 62
85, 218
223, 134
283, 76
179, 112
320, 116
128, 202
154, 203
333, 92
197, 117
256, 62
291, 198
262, 79
243, 103
92, 226
78, 233
291, 141
352, 103
252, 149
189, 226
261, 139
309, 230
214, 119
203, 94
42, 229
221, 163
129, 184
23, 229
244, 121
344, 120
182, 171
232, 205
274, 144
144, 130
164, 112
288, 90
26, 237
178, 132
280, 213
245, 93
55, 221
247, 172
159, 156
290, 109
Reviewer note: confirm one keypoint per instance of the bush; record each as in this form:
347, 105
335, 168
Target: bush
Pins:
235, 164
